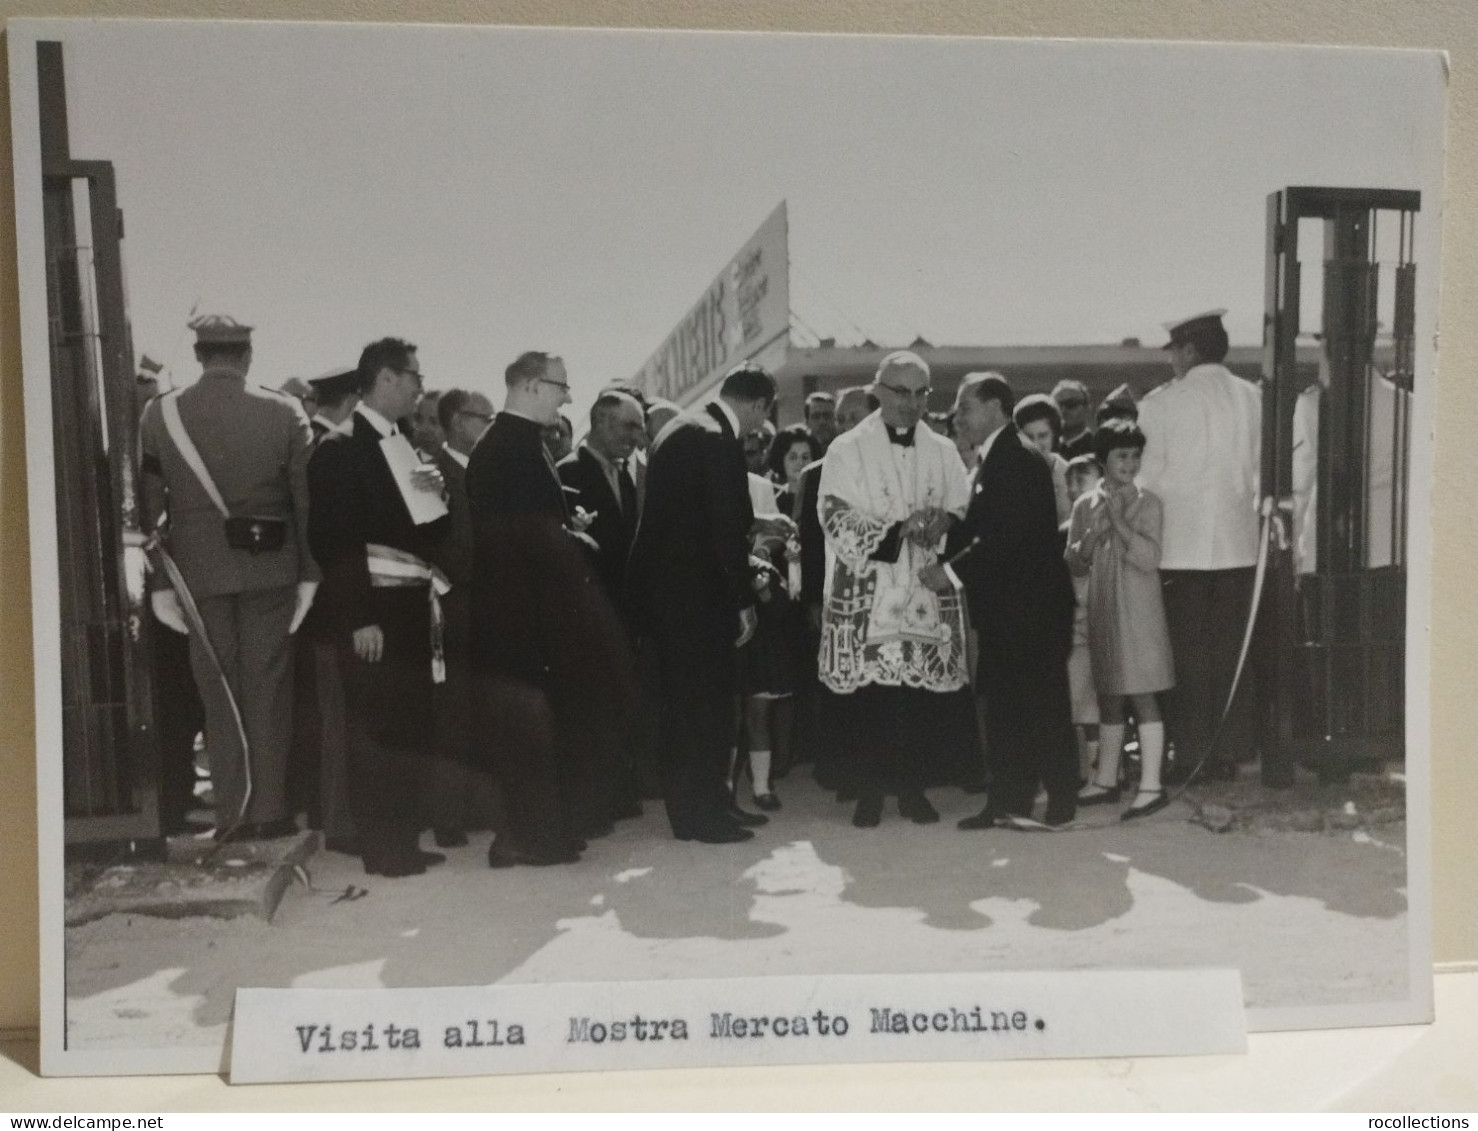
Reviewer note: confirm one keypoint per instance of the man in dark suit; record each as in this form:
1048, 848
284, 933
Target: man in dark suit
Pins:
598, 474
380, 585
549, 656
459, 796
690, 583
1020, 597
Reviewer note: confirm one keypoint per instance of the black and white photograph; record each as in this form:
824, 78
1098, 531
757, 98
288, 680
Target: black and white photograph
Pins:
526, 506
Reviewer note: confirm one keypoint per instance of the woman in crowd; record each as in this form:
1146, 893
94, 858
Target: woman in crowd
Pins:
1040, 422
1114, 538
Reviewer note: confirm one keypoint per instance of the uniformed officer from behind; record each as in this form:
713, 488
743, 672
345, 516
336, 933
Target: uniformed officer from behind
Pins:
225, 483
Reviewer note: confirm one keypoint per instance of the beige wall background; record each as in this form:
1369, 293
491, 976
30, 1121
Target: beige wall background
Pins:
1447, 24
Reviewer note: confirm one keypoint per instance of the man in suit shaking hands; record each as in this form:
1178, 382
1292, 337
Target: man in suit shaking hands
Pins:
1020, 598
689, 580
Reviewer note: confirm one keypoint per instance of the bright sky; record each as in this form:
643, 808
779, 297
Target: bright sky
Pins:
483, 192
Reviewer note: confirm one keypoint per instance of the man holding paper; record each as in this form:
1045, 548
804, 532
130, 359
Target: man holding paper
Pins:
378, 516
225, 484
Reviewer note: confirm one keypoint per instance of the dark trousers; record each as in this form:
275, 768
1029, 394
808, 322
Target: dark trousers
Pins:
698, 664
1206, 611
333, 755
178, 718
895, 741
387, 726
1029, 729
460, 792
248, 632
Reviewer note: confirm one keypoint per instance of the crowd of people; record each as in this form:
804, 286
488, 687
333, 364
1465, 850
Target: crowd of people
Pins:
403, 610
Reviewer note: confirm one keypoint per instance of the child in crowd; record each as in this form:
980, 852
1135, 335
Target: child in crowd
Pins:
1083, 475
1114, 539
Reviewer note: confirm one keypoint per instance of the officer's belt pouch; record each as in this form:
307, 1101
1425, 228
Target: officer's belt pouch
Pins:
256, 534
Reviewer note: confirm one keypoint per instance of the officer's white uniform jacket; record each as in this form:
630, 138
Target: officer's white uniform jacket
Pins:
1203, 433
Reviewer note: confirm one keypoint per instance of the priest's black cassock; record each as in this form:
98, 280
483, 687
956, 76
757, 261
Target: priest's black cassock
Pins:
548, 652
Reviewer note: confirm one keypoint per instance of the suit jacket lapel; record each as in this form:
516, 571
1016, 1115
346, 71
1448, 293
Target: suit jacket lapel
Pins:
596, 472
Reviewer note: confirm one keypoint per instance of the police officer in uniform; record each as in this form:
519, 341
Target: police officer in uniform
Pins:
248, 572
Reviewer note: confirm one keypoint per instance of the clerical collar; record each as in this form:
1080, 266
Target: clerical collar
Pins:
384, 427
730, 415
456, 455
903, 437
515, 414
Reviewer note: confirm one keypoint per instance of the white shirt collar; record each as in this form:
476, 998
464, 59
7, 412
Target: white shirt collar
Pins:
730, 416
384, 427
986, 444
456, 455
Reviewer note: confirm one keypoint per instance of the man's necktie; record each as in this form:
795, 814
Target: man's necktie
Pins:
628, 490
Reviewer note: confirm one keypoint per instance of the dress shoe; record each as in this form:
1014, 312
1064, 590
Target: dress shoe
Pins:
394, 865
985, 819
1158, 799
502, 855
714, 834
594, 830
449, 838
1095, 794
744, 818
916, 807
767, 801
869, 811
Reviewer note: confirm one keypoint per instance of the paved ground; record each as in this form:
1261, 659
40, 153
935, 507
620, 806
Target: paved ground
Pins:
1311, 918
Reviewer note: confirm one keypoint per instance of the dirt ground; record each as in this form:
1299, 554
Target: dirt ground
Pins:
1310, 918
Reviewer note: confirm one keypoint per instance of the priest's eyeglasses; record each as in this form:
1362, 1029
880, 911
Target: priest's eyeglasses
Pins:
906, 393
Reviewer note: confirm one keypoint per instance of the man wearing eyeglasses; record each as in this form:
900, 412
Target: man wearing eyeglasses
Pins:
458, 796
891, 647
381, 587
1071, 398
550, 661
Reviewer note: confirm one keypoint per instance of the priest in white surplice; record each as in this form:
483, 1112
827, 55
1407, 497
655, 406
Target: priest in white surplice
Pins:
893, 649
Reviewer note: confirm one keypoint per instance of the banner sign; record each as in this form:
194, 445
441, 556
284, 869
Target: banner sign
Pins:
744, 315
